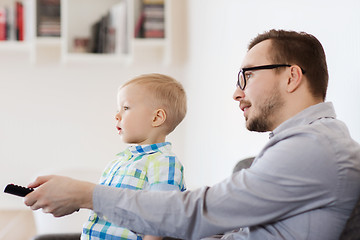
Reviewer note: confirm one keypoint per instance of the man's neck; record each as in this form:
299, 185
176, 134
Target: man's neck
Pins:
292, 108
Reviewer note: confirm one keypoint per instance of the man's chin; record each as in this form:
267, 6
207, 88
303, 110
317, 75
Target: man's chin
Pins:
256, 125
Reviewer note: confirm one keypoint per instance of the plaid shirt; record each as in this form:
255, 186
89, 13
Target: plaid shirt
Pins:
149, 167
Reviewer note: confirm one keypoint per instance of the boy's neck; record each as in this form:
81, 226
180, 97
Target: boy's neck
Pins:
153, 140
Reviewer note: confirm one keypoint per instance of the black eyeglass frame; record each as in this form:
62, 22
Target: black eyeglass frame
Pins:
271, 66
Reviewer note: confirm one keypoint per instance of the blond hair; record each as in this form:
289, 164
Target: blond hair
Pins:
167, 93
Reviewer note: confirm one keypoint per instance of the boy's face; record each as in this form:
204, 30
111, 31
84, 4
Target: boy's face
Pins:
135, 115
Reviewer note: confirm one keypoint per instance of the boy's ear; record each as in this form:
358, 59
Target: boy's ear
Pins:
159, 117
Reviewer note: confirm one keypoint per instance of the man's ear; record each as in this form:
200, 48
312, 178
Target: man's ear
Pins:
159, 117
295, 78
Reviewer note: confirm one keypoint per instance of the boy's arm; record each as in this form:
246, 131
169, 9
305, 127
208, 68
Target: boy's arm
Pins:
149, 237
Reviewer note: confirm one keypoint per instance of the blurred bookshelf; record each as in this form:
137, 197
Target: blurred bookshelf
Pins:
87, 30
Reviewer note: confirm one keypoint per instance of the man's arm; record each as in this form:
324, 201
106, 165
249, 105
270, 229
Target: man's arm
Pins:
280, 185
59, 195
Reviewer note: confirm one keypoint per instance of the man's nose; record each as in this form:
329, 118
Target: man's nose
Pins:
238, 94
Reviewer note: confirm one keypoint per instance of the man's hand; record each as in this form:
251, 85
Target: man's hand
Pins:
59, 195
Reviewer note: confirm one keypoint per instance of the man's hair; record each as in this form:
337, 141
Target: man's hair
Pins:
167, 93
302, 49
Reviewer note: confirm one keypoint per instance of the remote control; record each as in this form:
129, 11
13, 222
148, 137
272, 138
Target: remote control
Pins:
17, 190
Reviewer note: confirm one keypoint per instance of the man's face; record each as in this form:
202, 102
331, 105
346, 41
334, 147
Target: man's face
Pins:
261, 100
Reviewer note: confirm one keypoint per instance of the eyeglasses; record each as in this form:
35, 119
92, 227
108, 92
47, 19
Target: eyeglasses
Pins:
243, 77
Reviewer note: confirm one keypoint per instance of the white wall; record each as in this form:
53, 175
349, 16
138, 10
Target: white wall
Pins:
57, 116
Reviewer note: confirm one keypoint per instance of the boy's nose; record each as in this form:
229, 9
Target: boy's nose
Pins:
117, 117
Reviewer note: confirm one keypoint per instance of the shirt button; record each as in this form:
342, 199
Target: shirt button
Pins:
92, 217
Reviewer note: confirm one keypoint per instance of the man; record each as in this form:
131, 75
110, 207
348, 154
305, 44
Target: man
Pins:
302, 185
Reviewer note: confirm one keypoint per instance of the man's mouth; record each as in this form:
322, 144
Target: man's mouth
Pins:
244, 106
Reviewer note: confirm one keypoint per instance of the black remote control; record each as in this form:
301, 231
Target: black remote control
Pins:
17, 190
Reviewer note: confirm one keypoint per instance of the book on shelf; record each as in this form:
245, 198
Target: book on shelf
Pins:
151, 20
94, 40
12, 22
109, 34
100, 36
2, 24
48, 18
19, 21
139, 26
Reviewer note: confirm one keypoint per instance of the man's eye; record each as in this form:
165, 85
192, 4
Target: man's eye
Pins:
248, 75
125, 108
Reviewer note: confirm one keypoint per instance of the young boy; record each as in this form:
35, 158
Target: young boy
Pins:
150, 107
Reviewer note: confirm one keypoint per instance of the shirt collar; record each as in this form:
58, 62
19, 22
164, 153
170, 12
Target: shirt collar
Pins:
149, 148
307, 116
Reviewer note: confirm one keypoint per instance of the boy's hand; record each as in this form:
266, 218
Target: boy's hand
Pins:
59, 195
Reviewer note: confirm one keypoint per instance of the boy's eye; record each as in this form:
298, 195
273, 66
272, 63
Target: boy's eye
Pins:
125, 108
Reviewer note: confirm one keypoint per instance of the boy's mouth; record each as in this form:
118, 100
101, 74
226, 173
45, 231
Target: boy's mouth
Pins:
119, 130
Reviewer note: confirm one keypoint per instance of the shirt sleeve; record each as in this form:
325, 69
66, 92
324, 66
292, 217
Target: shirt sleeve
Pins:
291, 177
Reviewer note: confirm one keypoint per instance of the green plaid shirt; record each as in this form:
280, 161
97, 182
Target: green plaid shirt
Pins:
149, 167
